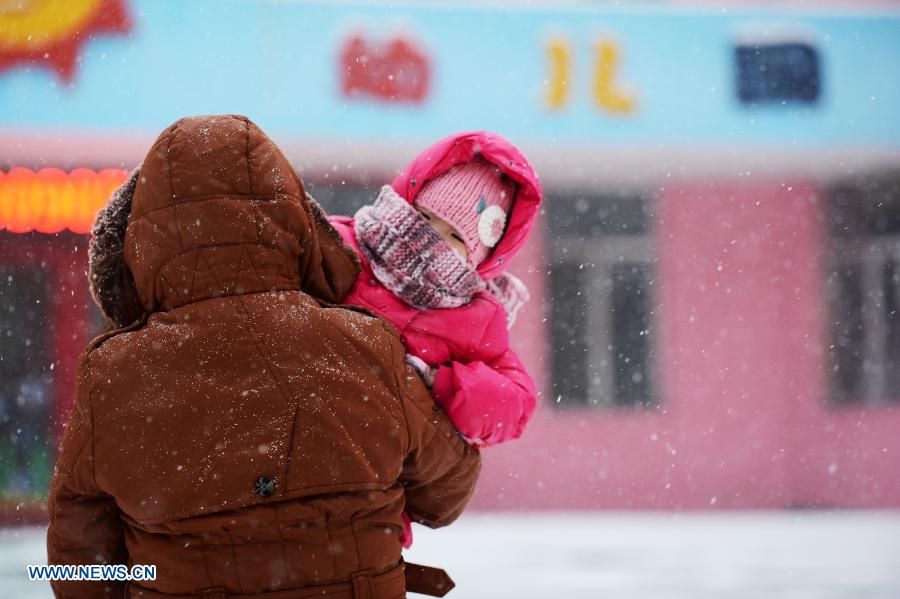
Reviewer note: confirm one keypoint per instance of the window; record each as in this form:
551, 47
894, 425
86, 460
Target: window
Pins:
863, 285
25, 382
601, 286
344, 199
777, 73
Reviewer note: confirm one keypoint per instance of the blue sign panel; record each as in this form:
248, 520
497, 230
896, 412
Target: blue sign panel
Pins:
587, 76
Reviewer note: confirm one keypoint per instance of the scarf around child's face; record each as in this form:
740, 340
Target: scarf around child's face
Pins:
410, 258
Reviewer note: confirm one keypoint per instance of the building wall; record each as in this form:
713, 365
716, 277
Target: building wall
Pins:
744, 419
600, 97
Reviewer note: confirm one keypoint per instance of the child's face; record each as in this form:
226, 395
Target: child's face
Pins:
447, 231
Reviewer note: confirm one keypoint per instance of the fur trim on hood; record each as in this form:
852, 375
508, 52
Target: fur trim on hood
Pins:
111, 283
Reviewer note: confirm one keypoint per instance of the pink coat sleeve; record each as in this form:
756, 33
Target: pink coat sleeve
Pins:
489, 401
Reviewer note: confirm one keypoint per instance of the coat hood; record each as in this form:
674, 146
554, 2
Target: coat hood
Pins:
215, 210
461, 147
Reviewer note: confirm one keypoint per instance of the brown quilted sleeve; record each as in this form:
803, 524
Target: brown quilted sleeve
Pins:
84, 521
440, 470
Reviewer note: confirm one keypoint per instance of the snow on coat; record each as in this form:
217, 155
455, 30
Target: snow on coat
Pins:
244, 434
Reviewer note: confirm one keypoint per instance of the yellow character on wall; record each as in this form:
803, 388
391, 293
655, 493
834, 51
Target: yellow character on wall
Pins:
607, 93
560, 58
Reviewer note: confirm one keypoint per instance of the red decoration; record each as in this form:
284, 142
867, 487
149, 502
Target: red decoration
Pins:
50, 33
395, 71
51, 200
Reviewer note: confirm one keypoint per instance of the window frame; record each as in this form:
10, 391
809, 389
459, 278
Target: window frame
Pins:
601, 253
870, 253
856, 237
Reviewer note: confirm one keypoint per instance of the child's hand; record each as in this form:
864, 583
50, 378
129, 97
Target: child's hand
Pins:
425, 371
406, 537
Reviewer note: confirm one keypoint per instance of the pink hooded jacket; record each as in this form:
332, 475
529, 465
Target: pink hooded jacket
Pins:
480, 383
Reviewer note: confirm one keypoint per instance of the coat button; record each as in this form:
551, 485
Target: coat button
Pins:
264, 486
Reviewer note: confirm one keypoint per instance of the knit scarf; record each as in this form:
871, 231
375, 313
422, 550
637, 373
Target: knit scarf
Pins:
511, 292
409, 258
412, 261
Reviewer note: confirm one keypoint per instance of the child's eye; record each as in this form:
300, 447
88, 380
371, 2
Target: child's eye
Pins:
426, 215
457, 237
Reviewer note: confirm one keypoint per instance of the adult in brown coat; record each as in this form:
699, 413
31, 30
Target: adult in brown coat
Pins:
242, 433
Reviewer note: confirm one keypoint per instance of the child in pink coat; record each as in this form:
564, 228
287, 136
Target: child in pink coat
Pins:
434, 249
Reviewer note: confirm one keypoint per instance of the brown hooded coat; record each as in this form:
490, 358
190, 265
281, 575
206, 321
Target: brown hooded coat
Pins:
242, 434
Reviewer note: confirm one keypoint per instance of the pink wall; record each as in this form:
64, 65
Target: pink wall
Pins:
740, 335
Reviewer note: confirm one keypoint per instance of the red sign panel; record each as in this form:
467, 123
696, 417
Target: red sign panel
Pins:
396, 70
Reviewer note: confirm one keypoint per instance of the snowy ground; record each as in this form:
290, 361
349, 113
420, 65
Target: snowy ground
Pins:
776, 555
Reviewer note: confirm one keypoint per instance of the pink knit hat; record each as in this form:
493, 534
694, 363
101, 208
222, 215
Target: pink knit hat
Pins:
475, 198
